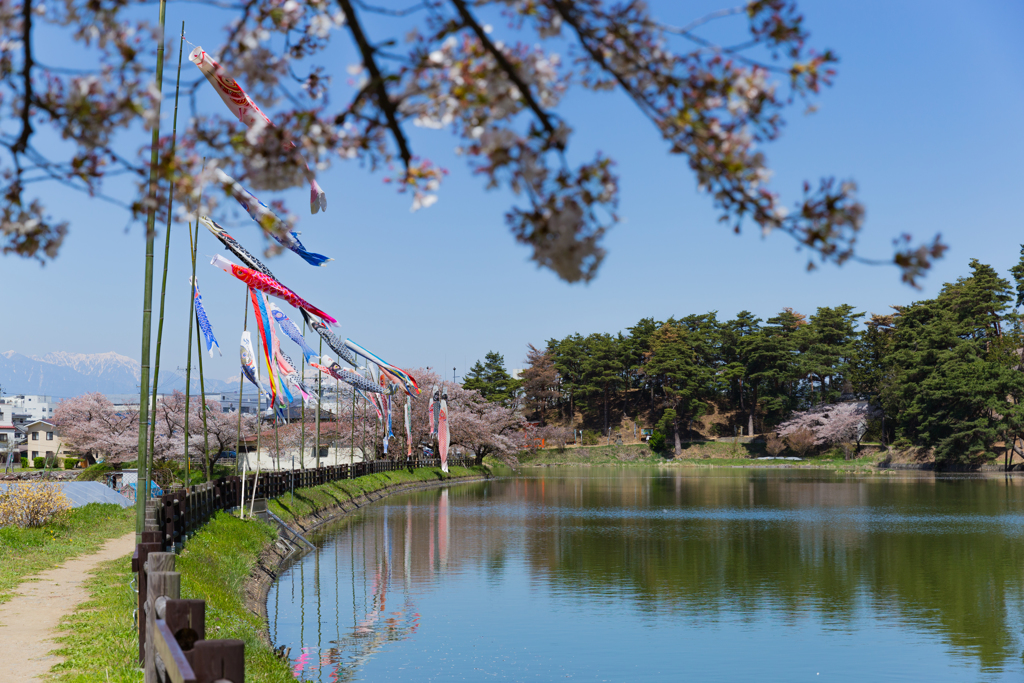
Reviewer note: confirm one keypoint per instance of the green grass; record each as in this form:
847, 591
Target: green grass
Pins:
100, 642
25, 552
214, 566
100, 638
310, 500
97, 472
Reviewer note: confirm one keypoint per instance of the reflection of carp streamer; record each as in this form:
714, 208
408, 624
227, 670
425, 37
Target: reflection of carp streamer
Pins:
369, 635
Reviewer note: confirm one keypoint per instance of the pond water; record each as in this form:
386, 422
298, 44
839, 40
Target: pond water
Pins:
607, 574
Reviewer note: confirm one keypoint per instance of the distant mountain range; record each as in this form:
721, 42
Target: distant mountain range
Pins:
63, 374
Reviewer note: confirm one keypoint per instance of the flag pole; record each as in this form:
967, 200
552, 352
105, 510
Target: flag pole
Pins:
167, 254
193, 315
319, 403
142, 487
241, 380
302, 442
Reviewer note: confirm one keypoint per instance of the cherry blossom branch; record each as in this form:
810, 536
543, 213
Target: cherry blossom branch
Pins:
505, 65
377, 79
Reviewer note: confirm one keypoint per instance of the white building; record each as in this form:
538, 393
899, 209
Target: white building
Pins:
33, 406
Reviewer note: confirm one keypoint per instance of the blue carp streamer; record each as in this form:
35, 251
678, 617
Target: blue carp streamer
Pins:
289, 328
204, 322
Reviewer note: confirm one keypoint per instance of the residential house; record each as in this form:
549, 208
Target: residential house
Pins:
42, 440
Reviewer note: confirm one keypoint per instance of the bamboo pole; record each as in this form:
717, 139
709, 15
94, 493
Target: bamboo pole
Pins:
241, 385
259, 428
277, 441
337, 419
147, 293
302, 438
319, 396
202, 389
352, 440
192, 245
167, 254
188, 356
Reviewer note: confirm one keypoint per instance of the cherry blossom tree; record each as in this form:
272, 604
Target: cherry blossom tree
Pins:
832, 424
484, 428
485, 70
221, 430
93, 426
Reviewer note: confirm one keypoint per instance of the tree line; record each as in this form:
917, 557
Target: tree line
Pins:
942, 373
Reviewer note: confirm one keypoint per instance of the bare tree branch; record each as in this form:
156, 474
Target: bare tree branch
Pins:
705, 19
26, 73
392, 12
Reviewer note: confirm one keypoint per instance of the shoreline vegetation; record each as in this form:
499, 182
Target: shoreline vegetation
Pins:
742, 454
231, 564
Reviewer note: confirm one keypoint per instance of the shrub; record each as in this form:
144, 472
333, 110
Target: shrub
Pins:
31, 504
70, 463
38, 463
849, 450
590, 437
801, 440
774, 445
657, 442
96, 472
902, 444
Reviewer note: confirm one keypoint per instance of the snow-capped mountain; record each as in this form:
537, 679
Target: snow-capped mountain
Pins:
108, 365
63, 374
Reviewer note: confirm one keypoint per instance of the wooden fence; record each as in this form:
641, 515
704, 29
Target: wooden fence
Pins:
171, 631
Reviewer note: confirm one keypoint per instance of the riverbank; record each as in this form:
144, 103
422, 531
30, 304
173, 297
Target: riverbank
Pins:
231, 564
704, 454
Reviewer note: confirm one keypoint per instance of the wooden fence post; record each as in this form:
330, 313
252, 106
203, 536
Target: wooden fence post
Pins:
161, 582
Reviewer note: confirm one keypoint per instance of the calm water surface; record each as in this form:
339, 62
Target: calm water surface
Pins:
606, 574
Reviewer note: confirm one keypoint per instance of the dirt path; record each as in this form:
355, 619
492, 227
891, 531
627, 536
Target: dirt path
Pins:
28, 622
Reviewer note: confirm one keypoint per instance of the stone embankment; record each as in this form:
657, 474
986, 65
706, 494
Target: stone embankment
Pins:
69, 475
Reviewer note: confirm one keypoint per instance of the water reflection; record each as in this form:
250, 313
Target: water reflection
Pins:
590, 572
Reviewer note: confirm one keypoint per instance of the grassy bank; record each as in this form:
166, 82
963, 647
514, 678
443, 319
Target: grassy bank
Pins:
697, 454
215, 565
316, 498
25, 552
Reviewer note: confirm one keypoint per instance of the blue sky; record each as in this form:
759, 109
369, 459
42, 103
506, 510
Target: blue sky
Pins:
924, 115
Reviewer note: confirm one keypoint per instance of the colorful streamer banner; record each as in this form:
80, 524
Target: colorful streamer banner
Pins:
257, 280
262, 323
275, 344
290, 374
267, 219
289, 328
204, 322
242, 106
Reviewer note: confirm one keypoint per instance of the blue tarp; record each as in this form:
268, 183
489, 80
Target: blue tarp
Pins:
83, 492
